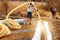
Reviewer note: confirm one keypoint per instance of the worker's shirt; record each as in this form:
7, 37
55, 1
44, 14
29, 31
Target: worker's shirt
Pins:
30, 9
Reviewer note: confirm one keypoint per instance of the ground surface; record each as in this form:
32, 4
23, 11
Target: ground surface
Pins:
27, 31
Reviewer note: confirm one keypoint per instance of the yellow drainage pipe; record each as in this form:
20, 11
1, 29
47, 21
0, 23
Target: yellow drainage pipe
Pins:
11, 23
4, 30
42, 28
15, 9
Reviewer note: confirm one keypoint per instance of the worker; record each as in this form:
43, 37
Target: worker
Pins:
53, 10
29, 12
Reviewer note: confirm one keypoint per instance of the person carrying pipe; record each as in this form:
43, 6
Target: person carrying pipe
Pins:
29, 12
